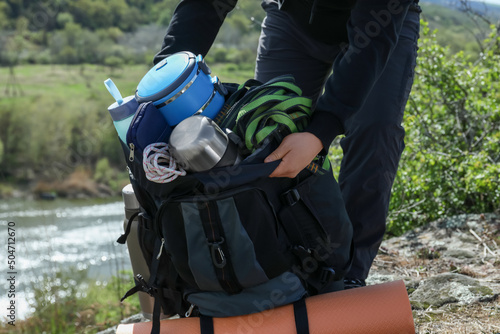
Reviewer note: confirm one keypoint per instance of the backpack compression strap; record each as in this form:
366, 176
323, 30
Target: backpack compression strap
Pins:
299, 312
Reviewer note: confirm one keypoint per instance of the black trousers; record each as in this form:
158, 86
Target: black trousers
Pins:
374, 137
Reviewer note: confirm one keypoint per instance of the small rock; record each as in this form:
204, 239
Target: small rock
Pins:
130, 320
377, 278
460, 253
449, 288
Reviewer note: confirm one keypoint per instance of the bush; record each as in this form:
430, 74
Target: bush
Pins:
113, 62
103, 171
106, 174
451, 161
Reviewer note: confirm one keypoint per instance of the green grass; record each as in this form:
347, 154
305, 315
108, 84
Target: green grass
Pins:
232, 73
79, 82
70, 81
67, 302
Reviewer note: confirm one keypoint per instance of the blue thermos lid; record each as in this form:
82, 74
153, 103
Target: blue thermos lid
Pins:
181, 86
166, 76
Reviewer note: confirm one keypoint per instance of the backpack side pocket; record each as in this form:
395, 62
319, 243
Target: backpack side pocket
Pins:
171, 299
147, 127
316, 221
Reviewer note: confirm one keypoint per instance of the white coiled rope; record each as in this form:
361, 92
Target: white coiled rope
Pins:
158, 165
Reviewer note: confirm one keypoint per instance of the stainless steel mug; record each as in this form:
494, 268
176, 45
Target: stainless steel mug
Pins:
199, 144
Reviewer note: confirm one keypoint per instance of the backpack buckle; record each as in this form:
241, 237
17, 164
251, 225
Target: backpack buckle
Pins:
218, 256
290, 197
327, 275
144, 286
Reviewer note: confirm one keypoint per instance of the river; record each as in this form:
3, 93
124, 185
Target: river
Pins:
57, 235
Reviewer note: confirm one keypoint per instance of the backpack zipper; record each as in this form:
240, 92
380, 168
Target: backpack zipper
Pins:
219, 249
161, 248
189, 311
129, 136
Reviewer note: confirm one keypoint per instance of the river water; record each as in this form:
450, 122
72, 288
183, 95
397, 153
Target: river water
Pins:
58, 235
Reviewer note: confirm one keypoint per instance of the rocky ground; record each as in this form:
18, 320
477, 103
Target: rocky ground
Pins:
451, 269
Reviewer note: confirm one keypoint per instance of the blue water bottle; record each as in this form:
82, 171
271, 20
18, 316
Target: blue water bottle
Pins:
122, 111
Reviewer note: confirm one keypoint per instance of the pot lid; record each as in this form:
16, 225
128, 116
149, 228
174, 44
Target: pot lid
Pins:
166, 76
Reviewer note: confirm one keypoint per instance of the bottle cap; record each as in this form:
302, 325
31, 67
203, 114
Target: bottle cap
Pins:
123, 110
129, 198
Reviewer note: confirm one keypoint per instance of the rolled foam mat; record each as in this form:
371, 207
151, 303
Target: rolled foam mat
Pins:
375, 309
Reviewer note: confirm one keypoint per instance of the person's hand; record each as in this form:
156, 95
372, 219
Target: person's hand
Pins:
296, 151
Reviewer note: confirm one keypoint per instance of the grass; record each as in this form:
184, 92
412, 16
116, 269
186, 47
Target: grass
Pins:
67, 303
477, 318
63, 80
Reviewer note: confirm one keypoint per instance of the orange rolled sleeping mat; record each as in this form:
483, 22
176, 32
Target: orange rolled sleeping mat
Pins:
376, 309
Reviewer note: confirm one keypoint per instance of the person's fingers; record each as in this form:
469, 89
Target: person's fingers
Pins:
278, 153
296, 151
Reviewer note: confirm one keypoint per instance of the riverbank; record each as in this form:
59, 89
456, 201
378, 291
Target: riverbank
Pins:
79, 184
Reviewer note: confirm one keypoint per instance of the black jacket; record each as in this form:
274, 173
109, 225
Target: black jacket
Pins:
371, 37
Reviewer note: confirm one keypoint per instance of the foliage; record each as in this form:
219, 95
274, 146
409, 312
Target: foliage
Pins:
459, 30
110, 32
103, 170
106, 174
60, 121
451, 163
127, 31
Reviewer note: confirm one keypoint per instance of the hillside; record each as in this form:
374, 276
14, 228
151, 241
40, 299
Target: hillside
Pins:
457, 29
486, 8
118, 32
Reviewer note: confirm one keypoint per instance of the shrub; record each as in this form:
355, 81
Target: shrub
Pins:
103, 172
451, 161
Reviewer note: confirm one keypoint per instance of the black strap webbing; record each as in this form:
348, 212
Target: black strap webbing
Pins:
300, 313
155, 329
157, 304
206, 325
123, 238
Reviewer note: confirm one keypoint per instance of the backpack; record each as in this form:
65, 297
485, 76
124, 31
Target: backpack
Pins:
231, 240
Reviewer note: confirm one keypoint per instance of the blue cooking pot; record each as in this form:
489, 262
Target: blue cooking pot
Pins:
181, 86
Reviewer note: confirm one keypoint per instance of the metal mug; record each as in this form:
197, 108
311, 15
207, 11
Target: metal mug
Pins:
199, 144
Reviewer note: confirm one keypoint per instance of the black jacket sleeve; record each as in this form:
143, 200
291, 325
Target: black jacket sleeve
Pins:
194, 26
373, 32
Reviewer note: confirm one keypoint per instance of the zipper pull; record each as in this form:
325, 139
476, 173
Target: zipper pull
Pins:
161, 248
189, 311
132, 148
